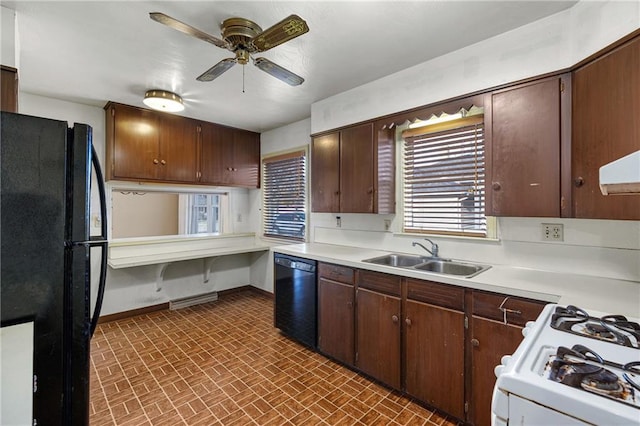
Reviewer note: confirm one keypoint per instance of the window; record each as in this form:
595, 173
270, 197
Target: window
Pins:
284, 195
203, 215
165, 212
444, 177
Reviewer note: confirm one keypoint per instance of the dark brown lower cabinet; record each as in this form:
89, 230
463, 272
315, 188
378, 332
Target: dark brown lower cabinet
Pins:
378, 336
434, 356
491, 340
496, 330
335, 320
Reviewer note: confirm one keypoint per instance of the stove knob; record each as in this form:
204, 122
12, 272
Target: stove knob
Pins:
505, 359
498, 370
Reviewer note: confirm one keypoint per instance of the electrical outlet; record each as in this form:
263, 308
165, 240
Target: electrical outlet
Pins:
553, 231
387, 224
338, 221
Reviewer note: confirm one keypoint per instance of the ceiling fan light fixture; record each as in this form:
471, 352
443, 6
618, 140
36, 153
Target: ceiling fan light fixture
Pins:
162, 100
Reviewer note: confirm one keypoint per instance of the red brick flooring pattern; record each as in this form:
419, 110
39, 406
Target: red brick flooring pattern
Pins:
223, 363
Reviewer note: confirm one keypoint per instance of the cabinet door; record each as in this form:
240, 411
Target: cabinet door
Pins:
178, 143
490, 341
135, 143
216, 154
606, 107
335, 320
378, 336
356, 169
246, 159
9, 89
434, 356
325, 173
525, 151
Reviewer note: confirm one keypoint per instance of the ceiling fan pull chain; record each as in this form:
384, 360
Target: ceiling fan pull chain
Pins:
243, 79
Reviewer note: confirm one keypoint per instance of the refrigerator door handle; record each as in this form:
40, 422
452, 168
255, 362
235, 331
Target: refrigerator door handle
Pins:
100, 240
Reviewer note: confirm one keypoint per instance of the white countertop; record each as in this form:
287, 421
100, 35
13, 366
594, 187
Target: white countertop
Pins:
155, 259
588, 292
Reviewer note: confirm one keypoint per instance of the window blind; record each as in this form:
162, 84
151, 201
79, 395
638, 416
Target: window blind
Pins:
284, 196
444, 176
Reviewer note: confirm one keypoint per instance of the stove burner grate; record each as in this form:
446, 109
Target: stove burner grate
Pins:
611, 328
582, 368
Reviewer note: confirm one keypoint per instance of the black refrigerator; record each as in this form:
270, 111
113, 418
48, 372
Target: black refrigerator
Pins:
45, 259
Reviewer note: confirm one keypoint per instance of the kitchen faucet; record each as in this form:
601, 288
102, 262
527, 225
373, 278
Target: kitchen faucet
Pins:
434, 247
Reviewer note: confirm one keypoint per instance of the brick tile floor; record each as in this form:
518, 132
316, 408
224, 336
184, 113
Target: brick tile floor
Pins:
223, 363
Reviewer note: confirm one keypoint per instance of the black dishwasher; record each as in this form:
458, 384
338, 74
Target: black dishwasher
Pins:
296, 298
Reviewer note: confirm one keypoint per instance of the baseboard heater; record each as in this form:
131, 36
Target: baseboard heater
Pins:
193, 300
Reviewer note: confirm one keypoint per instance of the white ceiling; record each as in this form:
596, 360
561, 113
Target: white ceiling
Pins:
94, 52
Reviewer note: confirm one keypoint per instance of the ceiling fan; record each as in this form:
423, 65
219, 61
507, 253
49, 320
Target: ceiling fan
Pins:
244, 38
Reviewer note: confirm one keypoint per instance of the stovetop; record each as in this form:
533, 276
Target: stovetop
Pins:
572, 361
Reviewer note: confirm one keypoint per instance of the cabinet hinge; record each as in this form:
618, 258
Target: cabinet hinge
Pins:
561, 203
562, 87
35, 383
356, 356
199, 129
466, 322
466, 406
113, 112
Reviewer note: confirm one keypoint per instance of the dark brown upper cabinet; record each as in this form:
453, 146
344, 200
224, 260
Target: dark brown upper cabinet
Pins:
9, 89
229, 157
606, 110
353, 170
144, 145
149, 146
526, 128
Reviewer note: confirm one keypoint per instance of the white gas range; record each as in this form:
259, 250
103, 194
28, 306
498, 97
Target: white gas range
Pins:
572, 368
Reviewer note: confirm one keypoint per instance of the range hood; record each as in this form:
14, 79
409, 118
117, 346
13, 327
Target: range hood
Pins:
622, 176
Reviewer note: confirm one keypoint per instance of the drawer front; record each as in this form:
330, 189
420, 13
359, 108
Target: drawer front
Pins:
518, 310
436, 294
338, 273
384, 283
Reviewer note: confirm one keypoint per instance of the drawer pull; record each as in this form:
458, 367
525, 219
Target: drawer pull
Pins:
506, 311
394, 318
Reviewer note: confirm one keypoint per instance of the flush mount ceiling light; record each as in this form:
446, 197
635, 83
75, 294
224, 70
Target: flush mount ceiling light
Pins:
162, 100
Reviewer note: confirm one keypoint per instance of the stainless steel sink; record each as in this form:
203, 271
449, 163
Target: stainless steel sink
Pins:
429, 264
451, 268
398, 260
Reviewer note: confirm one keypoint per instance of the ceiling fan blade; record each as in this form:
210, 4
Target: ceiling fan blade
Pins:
285, 30
187, 29
217, 70
278, 72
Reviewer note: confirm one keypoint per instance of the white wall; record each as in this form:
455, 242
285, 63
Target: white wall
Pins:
8, 46
547, 45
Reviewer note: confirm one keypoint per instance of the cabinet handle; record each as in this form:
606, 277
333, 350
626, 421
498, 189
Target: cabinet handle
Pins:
475, 342
506, 311
229, 168
394, 318
349, 305
163, 162
235, 170
155, 161
578, 182
496, 186
408, 321
370, 191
